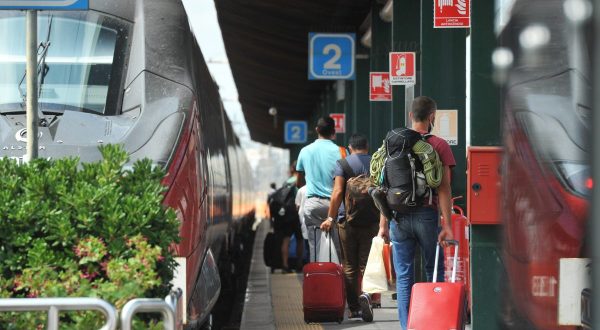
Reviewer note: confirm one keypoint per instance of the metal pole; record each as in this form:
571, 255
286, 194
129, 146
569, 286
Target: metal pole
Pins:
52, 323
32, 86
409, 96
594, 220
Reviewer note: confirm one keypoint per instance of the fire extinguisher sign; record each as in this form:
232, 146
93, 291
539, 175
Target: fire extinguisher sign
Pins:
402, 68
452, 13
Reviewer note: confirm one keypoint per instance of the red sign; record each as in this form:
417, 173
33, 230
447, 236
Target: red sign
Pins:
452, 13
402, 68
340, 122
381, 89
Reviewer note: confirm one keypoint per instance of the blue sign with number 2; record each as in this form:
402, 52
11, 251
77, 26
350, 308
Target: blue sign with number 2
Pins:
295, 132
45, 4
331, 56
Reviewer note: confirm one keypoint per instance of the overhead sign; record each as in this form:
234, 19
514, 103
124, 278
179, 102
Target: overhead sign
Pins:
403, 68
446, 126
340, 122
295, 132
45, 4
452, 13
380, 88
331, 56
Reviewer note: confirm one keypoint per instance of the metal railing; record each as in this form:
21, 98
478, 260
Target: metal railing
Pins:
55, 305
169, 308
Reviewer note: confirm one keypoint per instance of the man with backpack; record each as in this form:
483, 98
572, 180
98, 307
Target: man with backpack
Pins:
358, 221
416, 206
286, 222
315, 166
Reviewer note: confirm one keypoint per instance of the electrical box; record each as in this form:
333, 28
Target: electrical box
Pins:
483, 185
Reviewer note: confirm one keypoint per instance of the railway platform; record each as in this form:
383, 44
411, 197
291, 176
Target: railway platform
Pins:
274, 301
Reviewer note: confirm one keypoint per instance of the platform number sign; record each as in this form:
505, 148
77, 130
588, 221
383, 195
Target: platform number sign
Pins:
295, 132
331, 56
45, 4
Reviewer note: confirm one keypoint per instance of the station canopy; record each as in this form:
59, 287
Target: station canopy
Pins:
267, 47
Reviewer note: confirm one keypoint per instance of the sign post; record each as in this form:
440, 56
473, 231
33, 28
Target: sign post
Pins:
331, 56
380, 87
31, 58
32, 86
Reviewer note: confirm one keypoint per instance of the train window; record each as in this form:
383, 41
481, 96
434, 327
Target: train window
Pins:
80, 62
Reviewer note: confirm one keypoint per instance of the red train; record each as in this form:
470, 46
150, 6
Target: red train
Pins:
546, 172
131, 72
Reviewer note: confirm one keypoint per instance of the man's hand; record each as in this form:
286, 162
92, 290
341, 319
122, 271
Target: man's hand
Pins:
445, 235
326, 225
384, 232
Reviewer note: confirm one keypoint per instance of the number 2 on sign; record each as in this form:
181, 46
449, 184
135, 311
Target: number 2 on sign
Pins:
332, 63
296, 130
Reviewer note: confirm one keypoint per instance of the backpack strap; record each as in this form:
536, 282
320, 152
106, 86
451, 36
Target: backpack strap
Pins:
348, 172
343, 152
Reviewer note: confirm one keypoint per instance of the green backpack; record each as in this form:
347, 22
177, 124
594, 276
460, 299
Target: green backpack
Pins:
432, 165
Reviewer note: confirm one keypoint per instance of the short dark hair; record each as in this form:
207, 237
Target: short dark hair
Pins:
358, 142
422, 107
326, 126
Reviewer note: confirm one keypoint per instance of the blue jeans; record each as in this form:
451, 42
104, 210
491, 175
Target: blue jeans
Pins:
418, 227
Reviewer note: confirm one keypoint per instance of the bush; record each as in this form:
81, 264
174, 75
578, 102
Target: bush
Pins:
83, 230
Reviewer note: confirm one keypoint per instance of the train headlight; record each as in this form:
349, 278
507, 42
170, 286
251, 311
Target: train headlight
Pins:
577, 176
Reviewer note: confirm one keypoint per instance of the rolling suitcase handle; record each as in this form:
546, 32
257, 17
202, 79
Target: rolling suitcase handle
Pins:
437, 255
315, 254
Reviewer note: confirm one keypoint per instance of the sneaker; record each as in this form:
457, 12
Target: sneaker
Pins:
354, 315
367, 310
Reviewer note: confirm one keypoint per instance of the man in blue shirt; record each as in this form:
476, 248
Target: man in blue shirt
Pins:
357, 228
315, 165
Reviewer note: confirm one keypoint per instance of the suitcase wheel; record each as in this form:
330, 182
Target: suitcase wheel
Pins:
340, 320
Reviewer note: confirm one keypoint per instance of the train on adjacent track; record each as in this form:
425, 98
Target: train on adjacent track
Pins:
131, 72
546, 174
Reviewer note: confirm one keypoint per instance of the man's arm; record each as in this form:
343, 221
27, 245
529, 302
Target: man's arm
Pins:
384, 230
300, 179
336, 200
445, 204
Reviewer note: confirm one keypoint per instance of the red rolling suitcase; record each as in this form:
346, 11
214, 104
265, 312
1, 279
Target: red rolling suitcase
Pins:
438, 306
323, 291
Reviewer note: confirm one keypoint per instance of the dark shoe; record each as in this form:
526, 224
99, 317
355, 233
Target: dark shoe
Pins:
380, 202
354, 315
365, 304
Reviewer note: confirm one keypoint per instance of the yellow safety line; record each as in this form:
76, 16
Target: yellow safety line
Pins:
286, 293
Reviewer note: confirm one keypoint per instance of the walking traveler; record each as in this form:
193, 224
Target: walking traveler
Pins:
416, 217
358, 221
315, 166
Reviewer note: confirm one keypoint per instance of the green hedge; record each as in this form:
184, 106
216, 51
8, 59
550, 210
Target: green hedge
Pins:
83, 230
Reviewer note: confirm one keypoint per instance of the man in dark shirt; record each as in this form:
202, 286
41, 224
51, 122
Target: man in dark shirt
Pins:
355, 236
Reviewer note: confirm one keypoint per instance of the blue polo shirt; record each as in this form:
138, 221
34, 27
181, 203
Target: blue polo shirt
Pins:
317, 161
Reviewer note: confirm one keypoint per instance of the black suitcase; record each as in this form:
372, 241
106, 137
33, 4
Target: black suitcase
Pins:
272, 251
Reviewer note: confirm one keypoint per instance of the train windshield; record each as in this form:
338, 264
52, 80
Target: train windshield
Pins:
81, 58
